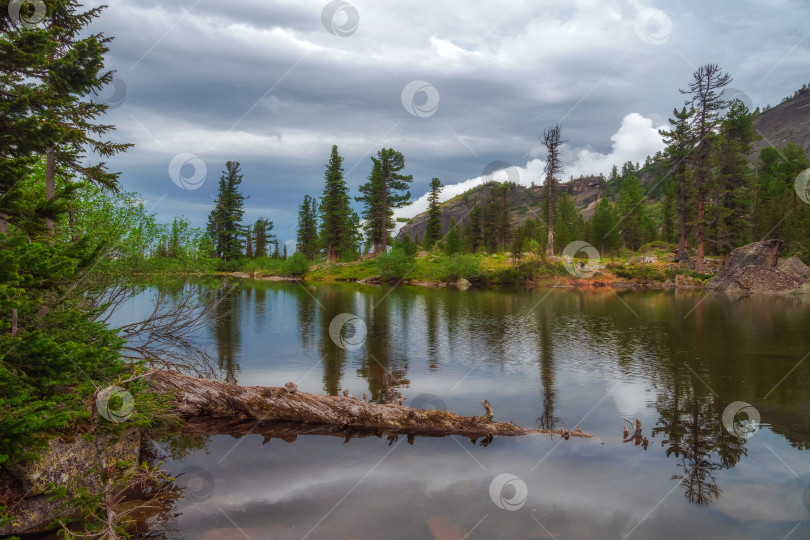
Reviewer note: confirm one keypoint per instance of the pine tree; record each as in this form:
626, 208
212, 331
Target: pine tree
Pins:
433, 229
706, 97
263, 236
224, 221
473, 232
731, 226
248, 242
680, 142
569, 225
631, 209
384, 192
307, 238
452, 243
605, 227
48, 73
334, 208
284, 256
518, 241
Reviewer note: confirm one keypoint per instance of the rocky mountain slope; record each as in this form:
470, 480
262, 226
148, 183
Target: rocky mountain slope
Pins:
786, 122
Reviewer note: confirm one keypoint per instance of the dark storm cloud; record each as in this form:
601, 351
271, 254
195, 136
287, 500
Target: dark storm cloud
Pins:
264, 83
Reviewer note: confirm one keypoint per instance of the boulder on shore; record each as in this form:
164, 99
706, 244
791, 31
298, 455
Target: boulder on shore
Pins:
753, 268
794, 267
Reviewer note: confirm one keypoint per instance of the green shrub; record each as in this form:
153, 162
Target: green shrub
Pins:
457, 267
295, 265
265, 264
409, 246
395, 265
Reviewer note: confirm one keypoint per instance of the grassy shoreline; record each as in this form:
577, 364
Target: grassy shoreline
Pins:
483, 270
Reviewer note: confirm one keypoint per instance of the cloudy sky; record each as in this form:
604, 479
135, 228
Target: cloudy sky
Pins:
454, 86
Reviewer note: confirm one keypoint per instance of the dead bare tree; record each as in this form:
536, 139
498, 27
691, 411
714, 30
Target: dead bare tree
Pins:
552, 139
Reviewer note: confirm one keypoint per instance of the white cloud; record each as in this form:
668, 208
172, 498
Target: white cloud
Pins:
634, 141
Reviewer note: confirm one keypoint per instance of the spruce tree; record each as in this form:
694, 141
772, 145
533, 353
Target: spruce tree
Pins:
680, 141
49, 70
433, 230
385, 191
224, 221
631, 209
452, 243
605, 227
307, 238
334, 208
474, 229
263, 236
569, 225
731, 224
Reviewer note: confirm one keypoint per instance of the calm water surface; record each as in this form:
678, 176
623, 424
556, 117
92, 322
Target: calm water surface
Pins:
547, 358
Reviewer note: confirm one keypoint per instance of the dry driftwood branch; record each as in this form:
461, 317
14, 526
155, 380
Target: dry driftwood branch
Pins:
195, 397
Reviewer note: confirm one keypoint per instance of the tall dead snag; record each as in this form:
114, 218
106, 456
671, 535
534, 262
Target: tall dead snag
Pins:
552, 140
195, 397
706, 96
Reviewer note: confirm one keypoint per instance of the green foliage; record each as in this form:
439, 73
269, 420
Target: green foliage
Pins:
474, 229
224, 222
604, 229
408, 246
433, 228
452, 243
456, 267
336, 217
568, 223
385, 190
307, 242
394, 265
263, 237
296, 265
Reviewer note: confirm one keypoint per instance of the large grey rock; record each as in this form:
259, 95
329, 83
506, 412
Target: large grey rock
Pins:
65, 462
753, 268
794, 267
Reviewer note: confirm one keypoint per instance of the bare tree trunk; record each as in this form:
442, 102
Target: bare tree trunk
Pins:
14, 320
3, 224
701, 217
682, 254
196, 397
50, 181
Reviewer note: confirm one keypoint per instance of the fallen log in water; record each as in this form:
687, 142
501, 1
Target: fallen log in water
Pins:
350, 417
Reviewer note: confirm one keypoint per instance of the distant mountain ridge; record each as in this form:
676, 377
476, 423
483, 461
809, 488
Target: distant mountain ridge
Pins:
787, 122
